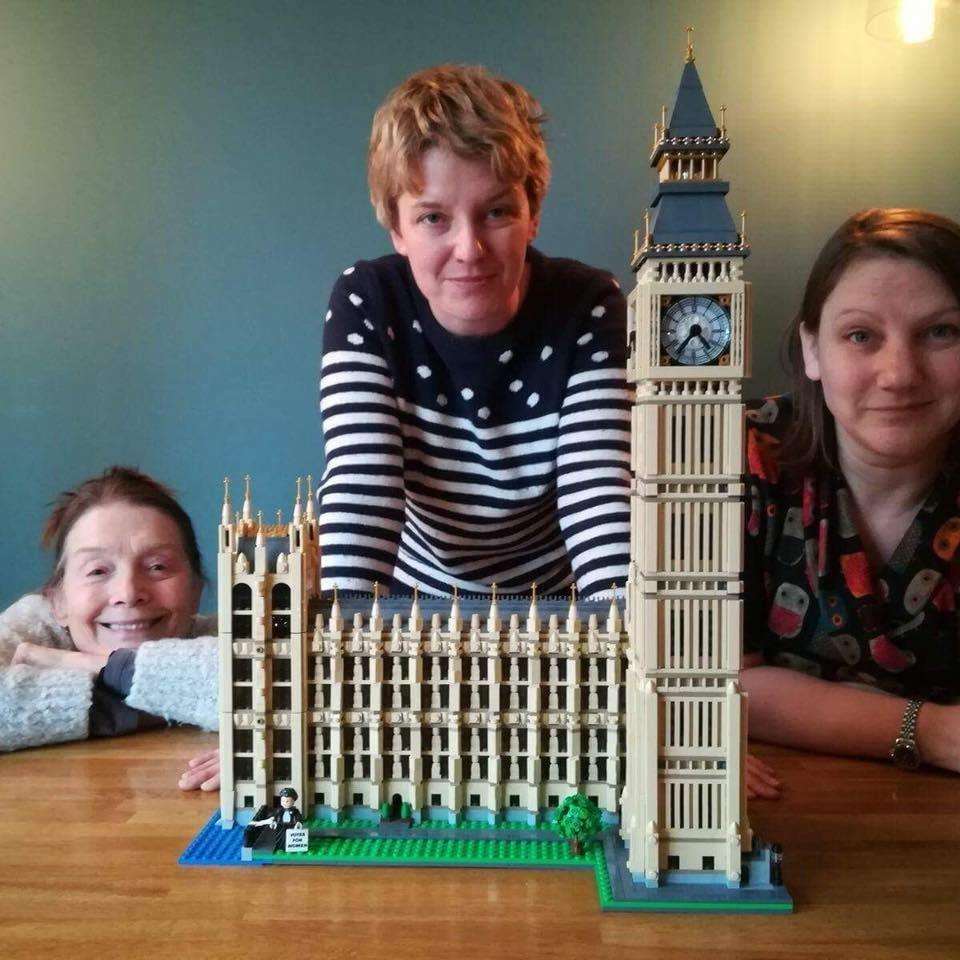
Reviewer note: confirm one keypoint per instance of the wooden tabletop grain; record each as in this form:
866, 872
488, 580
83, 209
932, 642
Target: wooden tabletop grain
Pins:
88, 868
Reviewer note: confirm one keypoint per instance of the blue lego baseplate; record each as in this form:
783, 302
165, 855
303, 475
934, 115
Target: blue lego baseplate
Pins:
616, 889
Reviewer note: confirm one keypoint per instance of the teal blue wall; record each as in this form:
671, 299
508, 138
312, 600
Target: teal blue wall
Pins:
180, 182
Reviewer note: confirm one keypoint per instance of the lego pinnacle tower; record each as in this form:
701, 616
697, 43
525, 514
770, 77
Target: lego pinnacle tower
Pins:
684, 814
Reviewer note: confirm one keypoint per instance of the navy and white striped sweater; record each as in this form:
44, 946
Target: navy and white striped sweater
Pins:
466, 461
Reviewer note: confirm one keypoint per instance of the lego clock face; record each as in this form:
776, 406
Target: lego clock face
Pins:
695, 331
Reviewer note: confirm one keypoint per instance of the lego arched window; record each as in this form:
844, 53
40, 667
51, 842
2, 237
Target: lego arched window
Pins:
242, 597
280, 597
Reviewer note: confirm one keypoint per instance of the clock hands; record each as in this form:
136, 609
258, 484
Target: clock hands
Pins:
695, 331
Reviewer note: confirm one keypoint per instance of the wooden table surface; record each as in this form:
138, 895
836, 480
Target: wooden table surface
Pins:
93, 832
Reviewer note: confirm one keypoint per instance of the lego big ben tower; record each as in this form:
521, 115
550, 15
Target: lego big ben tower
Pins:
684, 814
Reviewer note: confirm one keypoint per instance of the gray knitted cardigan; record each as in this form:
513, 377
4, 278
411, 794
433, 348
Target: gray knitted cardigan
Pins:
175, 679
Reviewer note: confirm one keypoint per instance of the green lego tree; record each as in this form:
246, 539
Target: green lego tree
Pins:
577, 820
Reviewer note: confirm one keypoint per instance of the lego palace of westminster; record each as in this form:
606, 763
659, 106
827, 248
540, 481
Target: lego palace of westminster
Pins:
491, 710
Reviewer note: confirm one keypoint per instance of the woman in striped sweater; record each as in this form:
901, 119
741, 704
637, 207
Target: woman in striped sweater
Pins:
473, 393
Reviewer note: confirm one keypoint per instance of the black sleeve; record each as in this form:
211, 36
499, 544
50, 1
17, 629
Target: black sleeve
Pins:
110, 716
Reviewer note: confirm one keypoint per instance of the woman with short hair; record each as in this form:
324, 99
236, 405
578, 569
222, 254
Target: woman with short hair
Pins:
473, 392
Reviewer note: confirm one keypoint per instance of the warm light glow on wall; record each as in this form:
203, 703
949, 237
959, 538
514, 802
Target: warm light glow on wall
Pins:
915, 19
910, 21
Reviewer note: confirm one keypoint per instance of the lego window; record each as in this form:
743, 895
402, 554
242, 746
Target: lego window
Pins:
435, 800
242, 597
281, 768
242, 626
708, 863
242, 670
243, 768
474, 799
673, 862
281, 698
280, 597
243, 741
242, 698
280, 626
281, 741
281, 670
553, 800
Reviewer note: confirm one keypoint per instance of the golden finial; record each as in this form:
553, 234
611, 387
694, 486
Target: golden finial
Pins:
743, 228
573, 593
416, 593
246, 485
299, 481
279, 518
493, 588
646, 228
723, 119
663, 119
226, 489
533, 592
259, 518
690, 56
636, 242
376, 590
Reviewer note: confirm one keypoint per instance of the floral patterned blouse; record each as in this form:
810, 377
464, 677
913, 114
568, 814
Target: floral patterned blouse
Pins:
814, 604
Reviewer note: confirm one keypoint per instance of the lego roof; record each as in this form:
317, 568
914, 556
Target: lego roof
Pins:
691, 113
694, 213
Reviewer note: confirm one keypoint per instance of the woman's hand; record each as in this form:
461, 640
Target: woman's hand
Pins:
762, 782
50, 658
203, 772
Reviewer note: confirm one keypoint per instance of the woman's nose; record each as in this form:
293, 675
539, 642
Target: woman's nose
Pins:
900, 367
128, 588
469, 245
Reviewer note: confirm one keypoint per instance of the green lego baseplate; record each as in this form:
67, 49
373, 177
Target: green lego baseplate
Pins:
472, 844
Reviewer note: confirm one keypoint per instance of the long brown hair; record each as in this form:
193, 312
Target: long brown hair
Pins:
927, 238
115, 484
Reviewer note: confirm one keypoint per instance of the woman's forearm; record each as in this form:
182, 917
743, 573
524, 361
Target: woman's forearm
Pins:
797, 710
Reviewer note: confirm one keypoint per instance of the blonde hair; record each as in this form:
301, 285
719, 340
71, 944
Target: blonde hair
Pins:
469, 111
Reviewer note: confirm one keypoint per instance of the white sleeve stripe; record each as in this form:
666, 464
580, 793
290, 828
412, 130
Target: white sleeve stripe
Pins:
600, 373
600, 530
350, 377
593, 396
359, 439
334, 357
345, 398
578, 496
337, 421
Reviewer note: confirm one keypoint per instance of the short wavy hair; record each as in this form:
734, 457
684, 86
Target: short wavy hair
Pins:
471, 112
926, 238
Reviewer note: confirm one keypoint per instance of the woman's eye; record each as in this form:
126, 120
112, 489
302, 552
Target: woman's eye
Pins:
432, 218
858, 336
158, 567
97, 572
944, 332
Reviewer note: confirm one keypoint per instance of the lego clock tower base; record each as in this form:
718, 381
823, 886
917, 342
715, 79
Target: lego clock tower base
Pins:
472, 731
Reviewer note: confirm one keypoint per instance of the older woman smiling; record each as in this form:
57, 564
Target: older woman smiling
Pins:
79, 659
